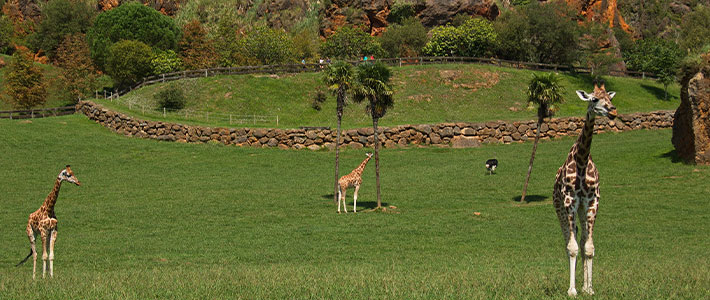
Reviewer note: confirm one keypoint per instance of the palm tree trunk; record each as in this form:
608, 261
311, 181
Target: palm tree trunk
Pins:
532, 158
377, 162
337, 160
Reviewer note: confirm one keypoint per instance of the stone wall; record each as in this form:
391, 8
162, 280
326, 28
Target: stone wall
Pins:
457, 135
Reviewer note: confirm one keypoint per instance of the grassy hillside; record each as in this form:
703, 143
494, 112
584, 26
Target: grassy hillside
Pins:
156, 220
424, 94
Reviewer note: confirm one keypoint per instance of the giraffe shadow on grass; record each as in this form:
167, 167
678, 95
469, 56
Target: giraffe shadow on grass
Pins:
531, 198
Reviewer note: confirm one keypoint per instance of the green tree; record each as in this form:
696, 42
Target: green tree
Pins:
406, 39
59, 19
128, 62
545, 92
373, 85
131, 21
657, 56
165, 62
77, 69
196, 50
339, 77
24, 82
400, 12
544, 33
695, 30
475, 37
268, 46
6, 32
350, 43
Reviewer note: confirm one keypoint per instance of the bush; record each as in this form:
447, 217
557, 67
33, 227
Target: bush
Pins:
695, 30
318, 99
350, 43
24, 82
131, 21
475, 37
6, 32
165, 62
268, 46
400, 12
59, 19
407, 39
77, 69
196, 49
128, 62
171, 98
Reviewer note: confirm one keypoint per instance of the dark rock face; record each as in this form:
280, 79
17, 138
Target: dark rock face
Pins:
691, 129
440, 12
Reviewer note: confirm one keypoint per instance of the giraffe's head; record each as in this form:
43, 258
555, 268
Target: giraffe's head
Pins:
599, 101
369, 154
68, 175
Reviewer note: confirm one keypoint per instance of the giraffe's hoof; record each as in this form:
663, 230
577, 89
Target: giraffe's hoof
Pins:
588, 291
572, 292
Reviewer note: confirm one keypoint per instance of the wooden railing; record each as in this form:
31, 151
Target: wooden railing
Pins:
37, 113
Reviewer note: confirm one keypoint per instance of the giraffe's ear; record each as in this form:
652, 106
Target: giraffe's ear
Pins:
611, 94
583, 95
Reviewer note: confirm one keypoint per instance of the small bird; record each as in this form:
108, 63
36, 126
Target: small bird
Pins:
491, 165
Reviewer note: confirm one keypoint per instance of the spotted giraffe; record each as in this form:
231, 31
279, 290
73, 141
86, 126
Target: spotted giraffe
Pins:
350, 180
44, 222
577, 188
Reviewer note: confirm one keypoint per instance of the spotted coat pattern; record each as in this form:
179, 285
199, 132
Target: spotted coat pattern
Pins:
354, 179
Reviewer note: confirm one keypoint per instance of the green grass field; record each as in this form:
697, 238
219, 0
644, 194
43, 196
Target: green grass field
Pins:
158, 220
423, 94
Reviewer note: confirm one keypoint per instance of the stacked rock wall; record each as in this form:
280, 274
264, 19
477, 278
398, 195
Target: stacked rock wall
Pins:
457, 135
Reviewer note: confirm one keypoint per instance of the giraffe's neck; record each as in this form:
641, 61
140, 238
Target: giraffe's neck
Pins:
584, 142
52, 197
361, 167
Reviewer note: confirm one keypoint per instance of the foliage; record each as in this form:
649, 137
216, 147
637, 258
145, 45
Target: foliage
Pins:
24, 82
400, 12
404, 40
318, 100
593, 52
539, 33
131, 21
196, 50
695, 30
545, 92
78, 73
59, 19
373, 84
171, 97
350, 43
165, 62
227, 44
128, 62
305, 44
657, 56
6, 32
475, 37
267, 46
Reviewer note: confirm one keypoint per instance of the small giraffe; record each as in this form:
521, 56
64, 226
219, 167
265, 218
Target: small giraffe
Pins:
577, 188
44, 222
352, 179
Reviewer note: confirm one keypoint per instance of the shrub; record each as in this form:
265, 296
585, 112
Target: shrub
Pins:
6, 32
77, 69
24, 82
59, 19
196, 49
350, 43
407, 39
165, 62
171, 98
474, 37
695, 30
444, 41
128, 62
318, 99
400, 12
131, 21
268, 46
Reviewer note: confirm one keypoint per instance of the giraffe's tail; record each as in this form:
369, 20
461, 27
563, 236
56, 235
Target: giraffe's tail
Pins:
24, 260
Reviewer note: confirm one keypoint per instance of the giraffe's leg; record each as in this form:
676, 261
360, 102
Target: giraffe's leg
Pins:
345, 206
588, 244
45, 237
340, 196
31, 236
53, 238
572, 249
357, 188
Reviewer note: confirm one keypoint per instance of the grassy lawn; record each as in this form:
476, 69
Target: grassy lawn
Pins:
182, 221
424, 94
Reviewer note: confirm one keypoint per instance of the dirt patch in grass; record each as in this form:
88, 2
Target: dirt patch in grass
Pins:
470, 79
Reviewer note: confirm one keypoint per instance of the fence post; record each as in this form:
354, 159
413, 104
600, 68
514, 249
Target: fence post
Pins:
207, 116
10, 115
97, 94
254, 119
163, 112
277, 120
400, 62
163, 77
205, 72
230, 119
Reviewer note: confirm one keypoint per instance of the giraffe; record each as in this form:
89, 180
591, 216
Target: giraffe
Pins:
44, 222
577, 188
352, 179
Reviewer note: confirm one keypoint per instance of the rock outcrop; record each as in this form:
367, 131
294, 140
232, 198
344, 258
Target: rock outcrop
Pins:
691, 129
440, 12
606, 11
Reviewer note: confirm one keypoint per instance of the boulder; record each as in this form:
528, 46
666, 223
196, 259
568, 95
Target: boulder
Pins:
464, 142
440, 12
691, 127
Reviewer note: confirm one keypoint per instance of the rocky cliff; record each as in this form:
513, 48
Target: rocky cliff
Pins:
691, 129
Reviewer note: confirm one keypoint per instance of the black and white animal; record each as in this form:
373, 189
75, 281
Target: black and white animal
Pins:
491, 165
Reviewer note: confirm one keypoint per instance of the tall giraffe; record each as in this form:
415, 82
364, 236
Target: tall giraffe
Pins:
352, 179
577, 188
44, 222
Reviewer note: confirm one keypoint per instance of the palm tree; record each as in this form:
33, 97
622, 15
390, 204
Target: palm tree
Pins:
372, 83
544, 91
338, 76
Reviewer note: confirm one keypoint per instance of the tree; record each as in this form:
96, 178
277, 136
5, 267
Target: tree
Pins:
128, 62
406, 39
24, 82
339, 78
165, 62
268, 46
545, 92
695, 30
196, 50
350, 43
131, 21
372, 84
78, 73
474, 37
59, 19
657, 56
6, 32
